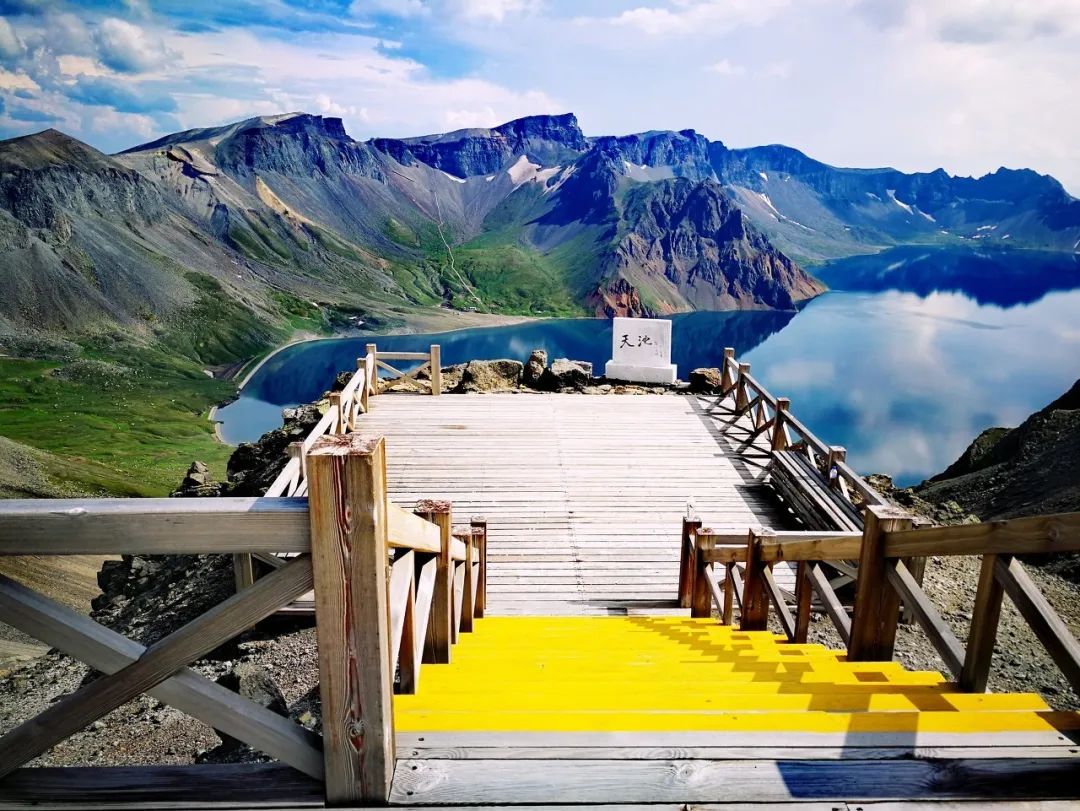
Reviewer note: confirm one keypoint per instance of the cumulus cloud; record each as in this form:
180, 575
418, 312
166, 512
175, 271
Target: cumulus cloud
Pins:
11, 47
128, 48
122, 96
695, 17
975, 21
494, 10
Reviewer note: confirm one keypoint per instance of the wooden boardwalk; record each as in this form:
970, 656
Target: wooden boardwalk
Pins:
584, 495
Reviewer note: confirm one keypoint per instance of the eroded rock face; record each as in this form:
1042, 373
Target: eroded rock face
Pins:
535, 368
491, 375
566, 374
254, 465
705, 381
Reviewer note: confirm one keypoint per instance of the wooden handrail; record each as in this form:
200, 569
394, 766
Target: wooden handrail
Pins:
153, 526
409, 531
784, 545
1039, 534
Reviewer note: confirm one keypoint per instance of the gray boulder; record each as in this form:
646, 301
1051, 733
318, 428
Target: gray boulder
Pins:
705, 381
491, 375
535, 368
566, 374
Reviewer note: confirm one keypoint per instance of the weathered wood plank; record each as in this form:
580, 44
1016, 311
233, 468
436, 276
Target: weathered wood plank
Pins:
1016, 536
347, 480
877, 604
153, 526
690, 781
983, 631
245, 785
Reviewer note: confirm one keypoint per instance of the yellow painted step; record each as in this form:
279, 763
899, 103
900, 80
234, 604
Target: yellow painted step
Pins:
576, 674
660, 721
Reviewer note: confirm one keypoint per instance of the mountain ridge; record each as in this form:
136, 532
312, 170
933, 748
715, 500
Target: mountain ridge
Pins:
288, 217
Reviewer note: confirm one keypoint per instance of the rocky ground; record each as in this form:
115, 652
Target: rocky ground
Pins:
277, 666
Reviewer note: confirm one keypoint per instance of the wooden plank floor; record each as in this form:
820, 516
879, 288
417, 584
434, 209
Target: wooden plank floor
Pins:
584, 495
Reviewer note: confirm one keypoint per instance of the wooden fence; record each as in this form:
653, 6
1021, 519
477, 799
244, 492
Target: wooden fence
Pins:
812, 477
392, 589
884, 582
342, 417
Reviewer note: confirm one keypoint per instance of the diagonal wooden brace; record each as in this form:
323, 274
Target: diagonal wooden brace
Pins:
188, 691
159, 662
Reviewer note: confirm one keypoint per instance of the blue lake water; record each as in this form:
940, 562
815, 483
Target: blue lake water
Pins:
912, 353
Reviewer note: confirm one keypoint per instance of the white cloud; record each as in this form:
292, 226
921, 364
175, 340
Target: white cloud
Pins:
127, 48
977, 21
11, 47
696, 17
725, 67
375, 93
494, 10
395, 8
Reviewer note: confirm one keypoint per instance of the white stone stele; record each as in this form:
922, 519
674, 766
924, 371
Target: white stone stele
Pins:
641, 351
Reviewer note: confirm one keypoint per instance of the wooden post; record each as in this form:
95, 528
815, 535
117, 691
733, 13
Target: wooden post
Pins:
348, 518
436, 370
755, 601
371, 349
729, 593
362, 391
804, 594
779, 431
687, 560
726, 380
339, 426
983, 631
441, 619
481, 588
243, 571
740, 387
701, 596
468, 596
877, 604
832, 473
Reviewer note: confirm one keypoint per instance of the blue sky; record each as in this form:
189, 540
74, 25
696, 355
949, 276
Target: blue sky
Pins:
968, 85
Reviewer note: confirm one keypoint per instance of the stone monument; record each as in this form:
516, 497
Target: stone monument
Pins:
641, 351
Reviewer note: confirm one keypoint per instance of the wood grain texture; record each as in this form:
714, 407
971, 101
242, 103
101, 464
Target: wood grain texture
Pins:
689, 781
983, 631
245, 785
545, 478
1016, 536
936, 629
153, 526
347, 480
877, 604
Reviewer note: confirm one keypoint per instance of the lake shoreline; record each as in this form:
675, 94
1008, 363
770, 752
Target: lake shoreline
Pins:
415, 324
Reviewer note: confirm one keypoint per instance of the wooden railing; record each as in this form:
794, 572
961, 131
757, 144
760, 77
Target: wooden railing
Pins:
342, 417
884, 583
432, 363
771, 426
392, 589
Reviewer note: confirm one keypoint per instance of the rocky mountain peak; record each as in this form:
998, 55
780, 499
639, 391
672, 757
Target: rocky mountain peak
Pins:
49, 148
548, 140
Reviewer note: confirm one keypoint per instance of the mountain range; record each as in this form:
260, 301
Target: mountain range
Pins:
240, 232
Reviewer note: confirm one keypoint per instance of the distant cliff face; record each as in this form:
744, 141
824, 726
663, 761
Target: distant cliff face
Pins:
687, 246
545, 139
